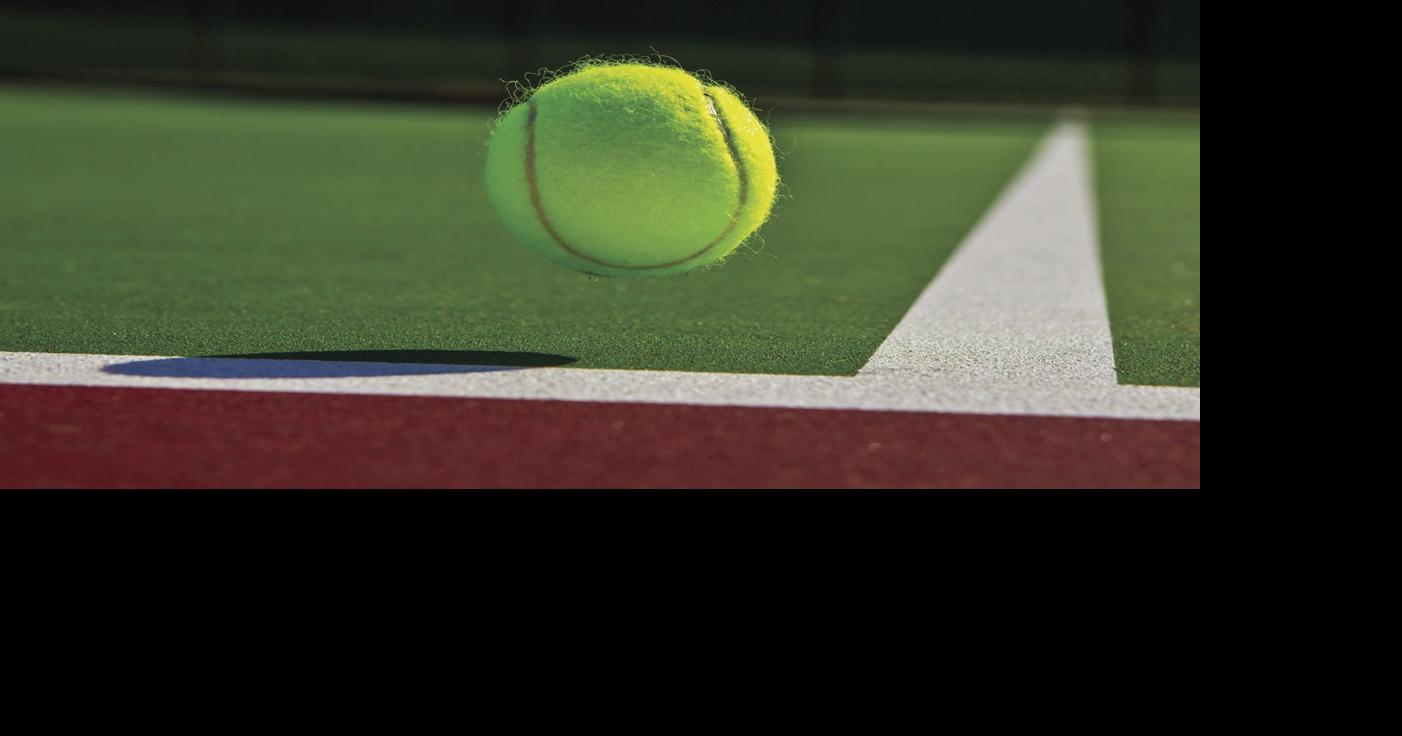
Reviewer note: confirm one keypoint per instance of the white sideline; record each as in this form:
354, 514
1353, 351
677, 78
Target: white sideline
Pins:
1015, 323
1022, 299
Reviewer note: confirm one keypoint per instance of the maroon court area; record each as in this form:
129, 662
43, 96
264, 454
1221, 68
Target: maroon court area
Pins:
64, 436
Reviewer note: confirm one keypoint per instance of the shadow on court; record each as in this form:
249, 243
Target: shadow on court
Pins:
338, 364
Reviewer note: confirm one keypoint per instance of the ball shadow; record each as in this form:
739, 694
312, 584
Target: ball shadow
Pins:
338, 364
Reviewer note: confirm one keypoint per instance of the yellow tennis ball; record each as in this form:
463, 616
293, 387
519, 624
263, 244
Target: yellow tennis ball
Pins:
631, 170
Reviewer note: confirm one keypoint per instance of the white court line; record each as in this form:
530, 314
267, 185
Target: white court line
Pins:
1022, 299
1015, 323
584, 384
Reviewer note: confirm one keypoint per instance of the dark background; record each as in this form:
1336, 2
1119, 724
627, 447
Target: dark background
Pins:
1137, 52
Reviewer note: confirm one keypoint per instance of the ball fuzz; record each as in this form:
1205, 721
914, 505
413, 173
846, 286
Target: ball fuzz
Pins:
631, 170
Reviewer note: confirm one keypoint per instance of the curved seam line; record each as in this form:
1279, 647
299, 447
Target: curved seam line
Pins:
534, 187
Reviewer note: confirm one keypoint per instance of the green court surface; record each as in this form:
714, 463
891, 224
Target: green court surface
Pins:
1149, 190
146, 224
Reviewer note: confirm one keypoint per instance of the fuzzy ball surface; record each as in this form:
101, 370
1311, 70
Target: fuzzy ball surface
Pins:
632, 170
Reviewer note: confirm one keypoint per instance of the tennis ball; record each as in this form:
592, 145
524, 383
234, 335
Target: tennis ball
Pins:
631, 170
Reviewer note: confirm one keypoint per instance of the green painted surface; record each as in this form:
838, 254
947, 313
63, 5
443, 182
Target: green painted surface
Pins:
159, 225
1149, 189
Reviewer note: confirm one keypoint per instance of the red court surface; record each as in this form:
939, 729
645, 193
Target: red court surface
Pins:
64, 436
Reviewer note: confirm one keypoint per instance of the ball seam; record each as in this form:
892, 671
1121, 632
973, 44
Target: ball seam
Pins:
533, 185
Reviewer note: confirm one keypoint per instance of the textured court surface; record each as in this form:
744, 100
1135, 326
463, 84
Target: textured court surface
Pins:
214, 292
173, 226
81, 436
